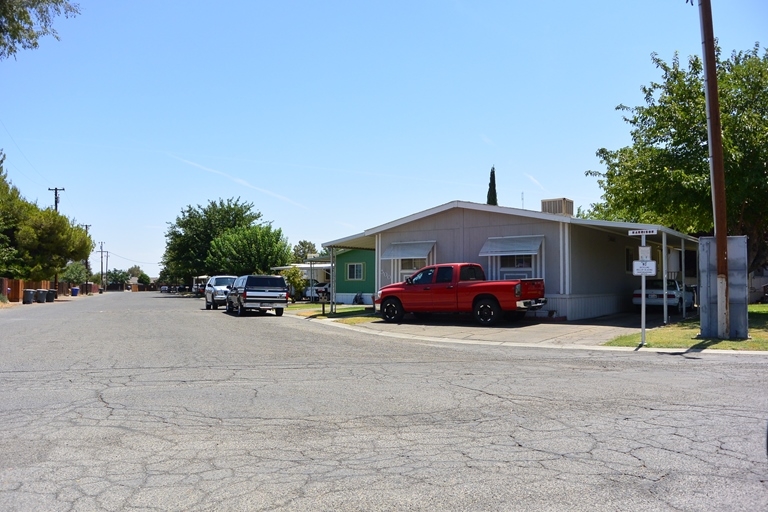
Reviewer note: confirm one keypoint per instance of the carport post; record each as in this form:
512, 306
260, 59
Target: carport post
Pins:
642, 300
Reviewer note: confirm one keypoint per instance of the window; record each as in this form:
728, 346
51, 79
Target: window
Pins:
354, 271
444, 275
413, 263
424, 277
519, 261
472, 273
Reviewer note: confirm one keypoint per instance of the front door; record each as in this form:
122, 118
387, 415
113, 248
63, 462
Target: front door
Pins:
444, 290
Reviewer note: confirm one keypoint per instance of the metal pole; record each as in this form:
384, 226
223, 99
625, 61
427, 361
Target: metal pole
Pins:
642, 300
716, 166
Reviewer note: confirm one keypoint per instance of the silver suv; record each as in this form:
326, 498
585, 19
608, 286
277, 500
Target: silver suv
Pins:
216, 291
259, 294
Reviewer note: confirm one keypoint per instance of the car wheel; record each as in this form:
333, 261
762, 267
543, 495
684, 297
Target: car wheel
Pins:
392, 310
279, 312
215, 306
487, 312
229, 307
240, 310
679, 307
207, 305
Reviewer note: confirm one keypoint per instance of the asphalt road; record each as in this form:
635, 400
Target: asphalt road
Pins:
148, 402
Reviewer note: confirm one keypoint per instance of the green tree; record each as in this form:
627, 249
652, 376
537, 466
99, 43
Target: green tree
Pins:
75, 274
492, 189
23, 22
302, 250
189, 238
296, 282
248, 250
135, 271
47, 241
118, 277
664, 178
144, 279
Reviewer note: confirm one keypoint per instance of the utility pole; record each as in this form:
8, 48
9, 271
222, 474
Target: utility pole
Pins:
107, 270
101, 250
87, 266
716, 166
56, 208
56, 197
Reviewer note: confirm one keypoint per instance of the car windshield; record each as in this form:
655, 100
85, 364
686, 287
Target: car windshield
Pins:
223, 281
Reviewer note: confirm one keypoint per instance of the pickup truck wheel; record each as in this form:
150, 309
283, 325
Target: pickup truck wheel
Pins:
392, 310
279, 312
240, 310
487, 312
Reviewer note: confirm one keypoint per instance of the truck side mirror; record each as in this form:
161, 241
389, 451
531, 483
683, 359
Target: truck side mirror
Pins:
408, 280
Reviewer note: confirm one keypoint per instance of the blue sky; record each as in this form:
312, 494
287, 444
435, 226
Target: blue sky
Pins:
331, 117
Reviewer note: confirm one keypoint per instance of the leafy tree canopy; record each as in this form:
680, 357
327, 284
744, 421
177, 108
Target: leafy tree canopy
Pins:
135, 271
248, 250
302, 250
664, 178
75, 273
189, 238
296, 282
23, 22
144, 279
117, 276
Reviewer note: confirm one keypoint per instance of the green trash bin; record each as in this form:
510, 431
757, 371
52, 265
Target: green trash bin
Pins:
29, 296
41, 295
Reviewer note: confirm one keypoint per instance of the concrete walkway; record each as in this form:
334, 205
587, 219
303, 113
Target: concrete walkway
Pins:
462, 329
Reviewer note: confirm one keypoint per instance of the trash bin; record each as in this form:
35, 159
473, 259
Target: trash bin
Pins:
101, 290
41, 295
51, 295
29, 296
75, 291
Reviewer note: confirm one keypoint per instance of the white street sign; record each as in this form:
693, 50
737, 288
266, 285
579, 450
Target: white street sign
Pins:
644, 268
645, 253
638, 232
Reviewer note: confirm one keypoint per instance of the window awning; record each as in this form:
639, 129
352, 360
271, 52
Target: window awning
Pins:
511, 246
403, 250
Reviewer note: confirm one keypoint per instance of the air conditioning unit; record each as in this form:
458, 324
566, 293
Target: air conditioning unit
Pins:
560, 206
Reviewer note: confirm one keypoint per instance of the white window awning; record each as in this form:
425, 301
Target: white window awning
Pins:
511, 246
405, 250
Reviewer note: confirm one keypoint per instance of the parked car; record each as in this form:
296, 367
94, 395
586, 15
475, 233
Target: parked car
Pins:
460, 288
257, 293
309, 290
216, 290
654, 295
164, 289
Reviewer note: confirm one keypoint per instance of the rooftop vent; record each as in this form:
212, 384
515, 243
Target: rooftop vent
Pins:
560, 206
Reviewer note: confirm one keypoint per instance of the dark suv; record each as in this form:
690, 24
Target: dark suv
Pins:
257, 293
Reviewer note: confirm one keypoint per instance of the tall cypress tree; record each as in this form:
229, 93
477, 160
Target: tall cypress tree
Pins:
492, 189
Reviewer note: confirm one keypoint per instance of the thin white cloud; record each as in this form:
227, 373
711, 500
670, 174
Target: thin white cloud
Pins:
487, 139
536, 182
240, 181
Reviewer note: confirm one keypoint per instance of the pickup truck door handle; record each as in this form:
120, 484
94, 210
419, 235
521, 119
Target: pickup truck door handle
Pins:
426, 287
449, 287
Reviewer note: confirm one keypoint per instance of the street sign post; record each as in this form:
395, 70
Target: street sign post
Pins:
644, 267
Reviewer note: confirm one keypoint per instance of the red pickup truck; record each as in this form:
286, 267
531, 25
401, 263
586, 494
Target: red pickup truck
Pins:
459, 288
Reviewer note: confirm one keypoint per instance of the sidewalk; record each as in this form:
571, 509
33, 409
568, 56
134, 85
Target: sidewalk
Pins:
462, 329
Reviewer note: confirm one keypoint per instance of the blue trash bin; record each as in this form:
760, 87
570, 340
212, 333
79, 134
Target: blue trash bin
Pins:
75, 291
